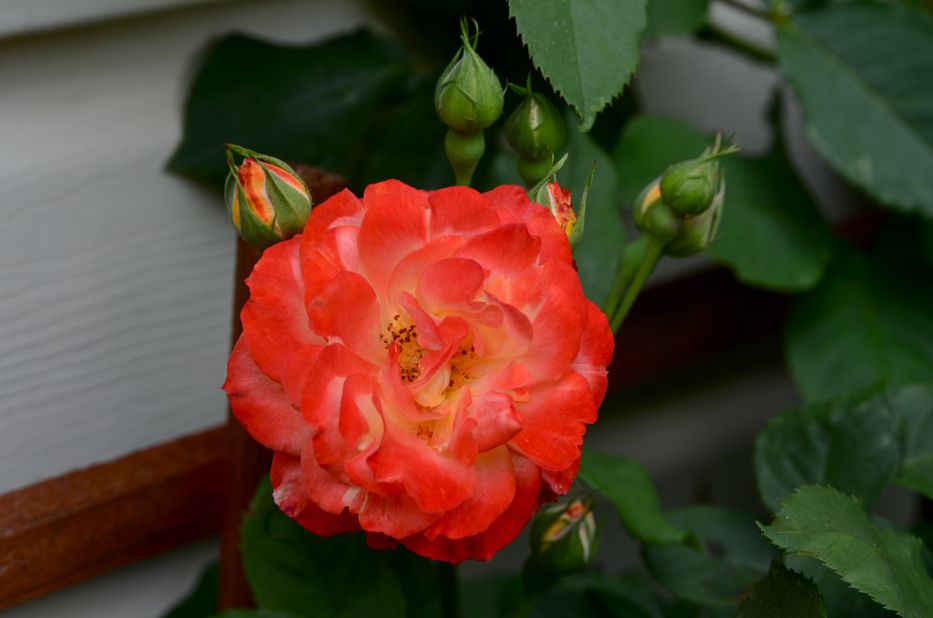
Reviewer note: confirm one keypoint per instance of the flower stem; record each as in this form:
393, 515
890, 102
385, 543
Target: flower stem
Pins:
649, 260
449, 580
722, 36
631, 257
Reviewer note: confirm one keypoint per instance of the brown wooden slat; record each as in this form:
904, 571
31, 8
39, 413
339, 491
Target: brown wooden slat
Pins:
67, 529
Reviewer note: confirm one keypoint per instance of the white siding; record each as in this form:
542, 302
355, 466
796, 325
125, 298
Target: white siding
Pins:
115, 277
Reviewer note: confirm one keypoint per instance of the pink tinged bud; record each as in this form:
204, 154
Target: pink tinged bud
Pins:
561, 207
564, 537
267, 200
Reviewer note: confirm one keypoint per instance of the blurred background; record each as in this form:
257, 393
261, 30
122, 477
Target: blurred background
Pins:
116, 276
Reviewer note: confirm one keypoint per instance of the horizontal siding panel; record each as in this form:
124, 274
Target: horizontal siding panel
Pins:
19, 17
116, 276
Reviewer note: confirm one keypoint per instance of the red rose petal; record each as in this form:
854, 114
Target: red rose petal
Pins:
395, 224
553, 422
461, 211
275, 322
292, 497
596, 347
495, 490
500, 532
405, 276
261, 405
451, 283
347, 310
342, 208
505, 251
555, 343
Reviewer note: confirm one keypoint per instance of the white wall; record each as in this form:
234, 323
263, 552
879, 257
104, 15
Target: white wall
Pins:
116, 277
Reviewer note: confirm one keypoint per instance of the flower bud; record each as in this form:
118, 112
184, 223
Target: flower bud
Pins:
655, 218
697, 232
557, 199
537, 131
266, 199
551, 195
690, 186
564, 537
468, 96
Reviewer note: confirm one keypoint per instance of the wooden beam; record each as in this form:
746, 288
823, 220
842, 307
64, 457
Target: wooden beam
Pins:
67, 529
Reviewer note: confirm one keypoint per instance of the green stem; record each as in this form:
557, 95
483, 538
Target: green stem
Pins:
628, 265
719, 35
649, 261
448, 577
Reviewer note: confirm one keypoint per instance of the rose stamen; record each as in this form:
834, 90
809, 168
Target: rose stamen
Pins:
410, 351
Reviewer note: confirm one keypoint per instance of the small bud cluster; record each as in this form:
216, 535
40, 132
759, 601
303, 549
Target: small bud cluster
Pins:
681, 209
266, 199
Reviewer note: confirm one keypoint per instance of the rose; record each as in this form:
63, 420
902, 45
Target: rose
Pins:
424, 366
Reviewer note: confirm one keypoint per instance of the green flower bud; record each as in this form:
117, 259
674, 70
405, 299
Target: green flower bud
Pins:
266, 199
690, 186
697, 232
537, 131
564, 537
653, 217
468, 96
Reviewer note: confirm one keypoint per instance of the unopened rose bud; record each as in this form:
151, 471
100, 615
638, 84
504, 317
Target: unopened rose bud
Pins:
557, 199
697, 232
690, 186
655, 218
537, 131
564, 537
468, 96
266, 199
551, 195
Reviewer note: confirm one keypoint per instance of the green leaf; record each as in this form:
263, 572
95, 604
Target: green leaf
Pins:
841, 601
914, 407
852, 444
864, 75
587, 50
604, 235
291, 570
867, 325
782, 593
733, 556
885, 564
771, 234
591, 595
202, 600
315, 104
626, 484
675, 17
